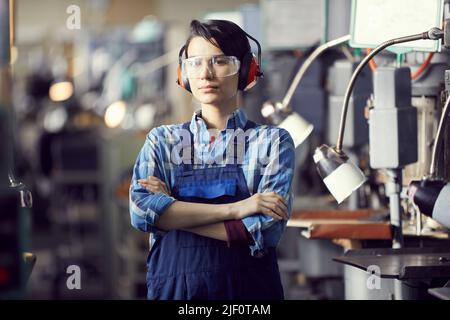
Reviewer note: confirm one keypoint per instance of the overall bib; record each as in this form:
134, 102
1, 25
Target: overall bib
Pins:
186, 266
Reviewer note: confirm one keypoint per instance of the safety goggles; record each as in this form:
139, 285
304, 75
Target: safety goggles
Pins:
219, 66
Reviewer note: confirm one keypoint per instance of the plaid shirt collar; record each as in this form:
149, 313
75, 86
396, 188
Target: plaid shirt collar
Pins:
198, 124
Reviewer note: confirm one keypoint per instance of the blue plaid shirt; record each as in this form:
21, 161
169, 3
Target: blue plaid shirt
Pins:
265, 169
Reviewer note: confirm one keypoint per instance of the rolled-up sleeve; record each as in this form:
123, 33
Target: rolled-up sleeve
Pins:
277, 177
146, 207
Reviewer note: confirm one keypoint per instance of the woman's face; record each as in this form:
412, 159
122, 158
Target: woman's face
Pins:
207, 87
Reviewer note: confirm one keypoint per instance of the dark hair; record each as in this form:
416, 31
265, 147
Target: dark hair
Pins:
228, 36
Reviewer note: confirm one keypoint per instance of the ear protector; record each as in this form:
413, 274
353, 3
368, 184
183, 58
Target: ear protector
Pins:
249, 71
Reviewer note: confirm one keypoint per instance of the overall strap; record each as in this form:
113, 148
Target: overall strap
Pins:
186, 126
251, 125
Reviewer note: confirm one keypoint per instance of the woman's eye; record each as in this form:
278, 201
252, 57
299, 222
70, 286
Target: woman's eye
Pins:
193, 63
220, 62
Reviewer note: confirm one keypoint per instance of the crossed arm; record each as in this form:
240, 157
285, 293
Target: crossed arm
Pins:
208, 219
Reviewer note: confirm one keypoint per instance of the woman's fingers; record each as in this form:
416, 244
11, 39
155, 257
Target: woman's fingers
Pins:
269, 212
275, 198
275, 203
269, 208
156, 189
276, 195
279, 209
276, 209
153, 184
165, 189
151, 181
279, 200
145, 184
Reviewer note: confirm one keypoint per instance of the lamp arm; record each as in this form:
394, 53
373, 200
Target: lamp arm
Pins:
432, 34
305, 66
438, 141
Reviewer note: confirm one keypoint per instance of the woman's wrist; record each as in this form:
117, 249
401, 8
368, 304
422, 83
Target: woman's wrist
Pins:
228, 211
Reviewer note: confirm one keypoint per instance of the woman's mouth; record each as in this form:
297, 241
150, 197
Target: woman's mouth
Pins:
208, 88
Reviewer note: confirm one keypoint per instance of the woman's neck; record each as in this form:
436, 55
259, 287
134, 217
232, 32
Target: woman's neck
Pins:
215, 116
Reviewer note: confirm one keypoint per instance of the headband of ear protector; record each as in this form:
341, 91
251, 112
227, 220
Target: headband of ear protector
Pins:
249, 71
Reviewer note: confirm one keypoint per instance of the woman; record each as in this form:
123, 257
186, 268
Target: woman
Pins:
216, 214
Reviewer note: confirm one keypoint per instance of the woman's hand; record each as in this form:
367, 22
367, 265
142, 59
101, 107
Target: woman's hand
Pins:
268, 203
153, 184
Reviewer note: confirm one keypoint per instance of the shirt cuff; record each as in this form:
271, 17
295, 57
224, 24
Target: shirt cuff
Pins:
160, 202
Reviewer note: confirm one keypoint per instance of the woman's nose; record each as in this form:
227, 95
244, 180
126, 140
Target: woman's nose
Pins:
205, 71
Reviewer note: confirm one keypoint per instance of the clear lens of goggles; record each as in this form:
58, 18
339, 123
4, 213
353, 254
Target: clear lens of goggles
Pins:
219, 66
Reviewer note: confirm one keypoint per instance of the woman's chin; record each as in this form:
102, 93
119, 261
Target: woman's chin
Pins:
213, 98
208, 99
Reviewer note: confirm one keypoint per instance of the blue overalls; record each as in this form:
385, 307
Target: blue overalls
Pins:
186, 266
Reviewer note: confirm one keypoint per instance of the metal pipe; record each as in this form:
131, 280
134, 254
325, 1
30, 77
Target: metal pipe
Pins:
393, 188
438, 141
418, 222
305, 66
431, 34
5, 33
5, 94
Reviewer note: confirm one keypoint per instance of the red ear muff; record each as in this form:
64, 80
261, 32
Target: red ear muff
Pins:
182, 81
253, 74
249, 73
250, 68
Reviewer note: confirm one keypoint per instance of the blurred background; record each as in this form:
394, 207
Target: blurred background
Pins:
88, 81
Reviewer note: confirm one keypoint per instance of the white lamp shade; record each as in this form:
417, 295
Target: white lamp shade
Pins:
441, 209
344, 180
298, 128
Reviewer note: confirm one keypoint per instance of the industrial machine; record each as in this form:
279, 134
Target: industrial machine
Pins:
405, 271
